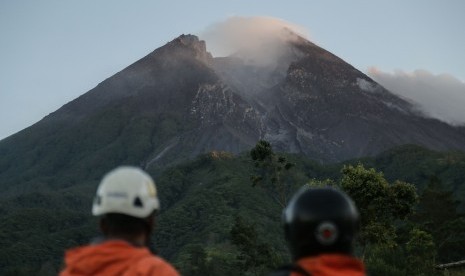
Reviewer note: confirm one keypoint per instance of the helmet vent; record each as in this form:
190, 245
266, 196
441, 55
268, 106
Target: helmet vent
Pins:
326, 233
138, 202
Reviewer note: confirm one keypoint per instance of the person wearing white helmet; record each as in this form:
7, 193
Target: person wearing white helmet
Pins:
126, 202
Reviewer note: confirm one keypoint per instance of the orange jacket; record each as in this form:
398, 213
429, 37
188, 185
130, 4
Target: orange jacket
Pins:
332, 264
114, 257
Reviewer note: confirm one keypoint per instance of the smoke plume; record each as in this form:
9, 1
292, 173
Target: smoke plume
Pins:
249, 34
438, 96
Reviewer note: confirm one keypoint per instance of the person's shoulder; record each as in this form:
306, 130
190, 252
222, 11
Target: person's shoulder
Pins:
154, 265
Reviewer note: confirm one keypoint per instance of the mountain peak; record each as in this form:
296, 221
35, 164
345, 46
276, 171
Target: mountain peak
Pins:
193, 45
191, 40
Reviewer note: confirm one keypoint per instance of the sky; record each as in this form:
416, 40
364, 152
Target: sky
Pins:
53, 51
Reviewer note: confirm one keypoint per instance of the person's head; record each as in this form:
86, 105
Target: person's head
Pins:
320, 220
126, 201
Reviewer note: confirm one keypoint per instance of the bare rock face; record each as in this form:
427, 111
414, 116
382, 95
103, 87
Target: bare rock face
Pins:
312, 102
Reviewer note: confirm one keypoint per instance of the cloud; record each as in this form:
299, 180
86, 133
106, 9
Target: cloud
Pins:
249, 33
438, 96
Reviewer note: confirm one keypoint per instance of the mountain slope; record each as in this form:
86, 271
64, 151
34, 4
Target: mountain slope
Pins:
315, 103
179, 101
168, 101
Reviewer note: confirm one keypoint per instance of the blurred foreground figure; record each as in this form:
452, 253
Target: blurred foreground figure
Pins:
126, 202
320, 227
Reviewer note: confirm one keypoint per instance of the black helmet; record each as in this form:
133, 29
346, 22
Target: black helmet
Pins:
321, 220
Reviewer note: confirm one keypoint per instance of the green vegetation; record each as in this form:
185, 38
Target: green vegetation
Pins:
272, 173
379, 202
215, 222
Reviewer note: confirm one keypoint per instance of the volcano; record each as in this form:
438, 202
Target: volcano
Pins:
179, 101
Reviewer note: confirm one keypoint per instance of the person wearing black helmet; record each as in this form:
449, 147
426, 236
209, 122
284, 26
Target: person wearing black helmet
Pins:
320, 226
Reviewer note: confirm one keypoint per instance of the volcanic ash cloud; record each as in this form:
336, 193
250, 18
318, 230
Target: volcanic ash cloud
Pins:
249, 34
438, 96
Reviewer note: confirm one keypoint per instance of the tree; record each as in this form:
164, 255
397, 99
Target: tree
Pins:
415, 256
255, 255
421, 253
384, 207
380, 204
270, 172
437, 214
316, 183
196, 263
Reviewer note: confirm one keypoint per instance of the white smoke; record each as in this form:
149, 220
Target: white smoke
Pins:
438, 96
248, 34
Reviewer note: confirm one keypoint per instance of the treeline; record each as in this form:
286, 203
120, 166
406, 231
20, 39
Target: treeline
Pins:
221, 214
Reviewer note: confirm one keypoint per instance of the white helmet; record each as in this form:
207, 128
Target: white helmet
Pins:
126, 190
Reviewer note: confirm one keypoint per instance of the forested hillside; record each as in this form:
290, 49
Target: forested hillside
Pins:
215, 219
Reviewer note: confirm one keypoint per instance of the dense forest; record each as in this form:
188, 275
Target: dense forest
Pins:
221, 213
